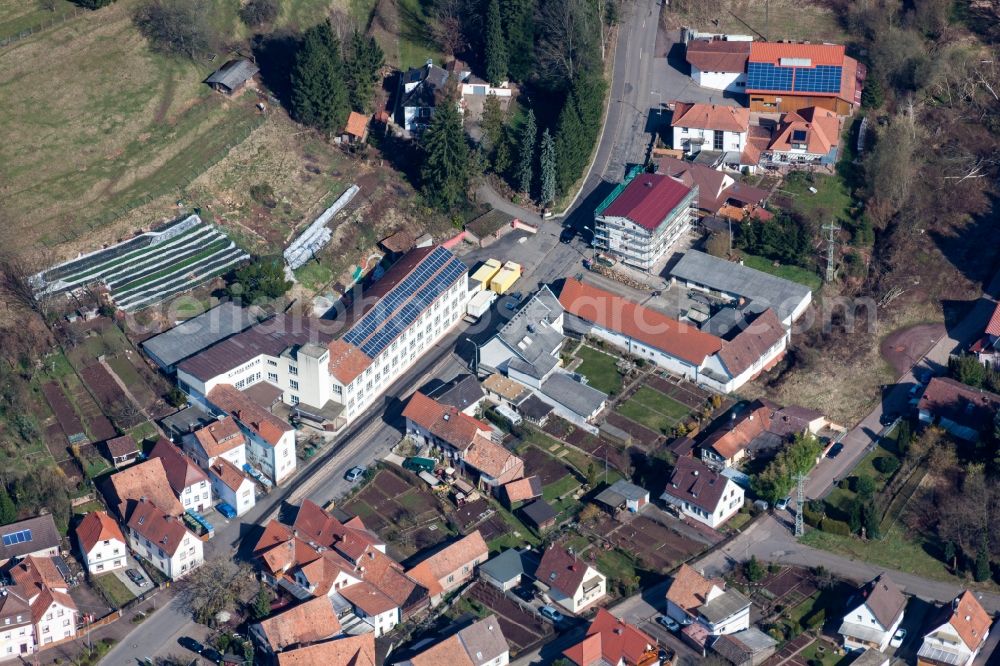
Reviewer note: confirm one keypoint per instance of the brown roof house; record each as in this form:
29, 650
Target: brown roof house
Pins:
356, 129
699, 492
53, 611
522, 490
188, 481
221, 439
956, 633
729, 446
873, 615
147, 480
962, 410
31, 536
451, 567
312, 621
101, 543
719, 64
482, 643
121, 450
706, 606
162, 539
15, 614
570, 581
613, 641
346, 651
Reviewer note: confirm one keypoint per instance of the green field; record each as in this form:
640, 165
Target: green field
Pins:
894, 550
415, 43
840, 498
653, 410
832, 196
113, 590
798, 274
599, 369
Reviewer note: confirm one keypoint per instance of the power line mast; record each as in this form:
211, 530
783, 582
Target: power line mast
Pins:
799, 527
831, 247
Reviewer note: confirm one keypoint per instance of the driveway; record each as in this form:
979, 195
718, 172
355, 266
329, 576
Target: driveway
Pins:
136, 590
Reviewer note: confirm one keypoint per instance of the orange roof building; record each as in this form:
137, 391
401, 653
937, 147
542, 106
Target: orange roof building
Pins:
147, 480
101, 542
613, 641
810, 135
346, 651
787, 76
956, 633
312, 621
450, 567
445, 425
357, 126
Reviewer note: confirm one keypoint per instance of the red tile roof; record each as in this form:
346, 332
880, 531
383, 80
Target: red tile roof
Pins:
219, 437
95, 527
181, 470
228, 473
712, 184
818, 54
821, 128
347, 361
689, 589
648, 200
162, 530
967, 406
728, 442
357, 124
993, 327
33, 573
368, 598
122, 446
444, 421
494, 460
347, 651
265, 424
46, 598
466, 551
750, 344
310, 621
716, 55
968, 617
561, 571
523, 489
315, 524
146, 480
650, 327
614, 640
711, 117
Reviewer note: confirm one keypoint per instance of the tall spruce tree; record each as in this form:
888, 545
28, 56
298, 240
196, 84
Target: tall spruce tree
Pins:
577, 129
518, 18
362, 62
526, 156
319, 93
547, 167
445, 169
8, 512
496, 45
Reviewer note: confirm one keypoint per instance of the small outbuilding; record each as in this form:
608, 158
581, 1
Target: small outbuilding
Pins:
121, 450
232, 77
540, 515
356, 129
507, 570
623, 496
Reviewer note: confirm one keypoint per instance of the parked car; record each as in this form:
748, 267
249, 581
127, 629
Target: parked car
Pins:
888, 418
782, 504
566, 236
550, 613
835, 450
226, 510
135, 577
191, 644
354, 474
510, 305
668, 623
212, 655
525, 593
898, 638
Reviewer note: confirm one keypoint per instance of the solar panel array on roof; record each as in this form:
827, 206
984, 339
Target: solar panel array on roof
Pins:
404, 302
818, 79
22, 536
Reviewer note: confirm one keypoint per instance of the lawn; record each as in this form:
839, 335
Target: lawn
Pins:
563, 486
798, 274
516, 537
314, 275
415, 43
840, 498
894, 550
143, 432
599, 369
653, 410
617, 566
113, 590
823, 652
832, 196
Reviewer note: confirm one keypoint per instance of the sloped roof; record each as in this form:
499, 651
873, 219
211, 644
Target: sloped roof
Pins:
219, 437
740, 353
483, 640
711, 117
449, 559
884, 599
689, 589
357, 124
967, 406
449, 651
620, 491
523, 489
308, 622
647, 200
121, 446
147, 480
561, 570
816, 127
234, 73
228, 473
95, 527
33, 573
181, 471
648, 326
461, 392
494, 460
696, 483
14, 604
967, 617
348, 651
717, 55
198, 333
162, 529
818, 54
368, 598
539, 512
443, 421
44, 535
254, 417
993, 326
713, 185
614, 640
46, 597
728, 442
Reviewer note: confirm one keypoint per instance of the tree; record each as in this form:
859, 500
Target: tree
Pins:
449, 28
319, 92
754, 570
547, 166
870, 519
259, 12
718, 244
872, 96
577, 129
445, 169
982, 569
258, 281
967, 369
176, 27
526, 155
362, 63
950, 555
591, 475
496, 46
217, 586
568, 46
8, 512
495, 138
776, 480
15, 282
518, 19
864, 487
261, 603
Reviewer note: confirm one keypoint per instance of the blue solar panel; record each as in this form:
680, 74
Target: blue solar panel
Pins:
17, 537
818, 79
822, 79
405, 302
765, 76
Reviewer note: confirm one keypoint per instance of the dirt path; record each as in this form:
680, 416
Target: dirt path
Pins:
905, 347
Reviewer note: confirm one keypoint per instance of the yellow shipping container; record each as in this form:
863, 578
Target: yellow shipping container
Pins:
485, 273
505, 278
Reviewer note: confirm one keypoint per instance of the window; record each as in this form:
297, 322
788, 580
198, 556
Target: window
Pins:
271, 362
272, 377
295, 399
717, 139
293, 384
65, 623
292, 370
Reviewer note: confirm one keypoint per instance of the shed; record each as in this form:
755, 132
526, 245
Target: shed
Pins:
356, 128
121, 450
233, 76
506, 570
540, 515
622, 495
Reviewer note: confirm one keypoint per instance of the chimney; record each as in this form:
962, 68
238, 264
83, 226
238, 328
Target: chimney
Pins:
695, 472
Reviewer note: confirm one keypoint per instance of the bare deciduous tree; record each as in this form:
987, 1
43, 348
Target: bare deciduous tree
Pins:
219, 585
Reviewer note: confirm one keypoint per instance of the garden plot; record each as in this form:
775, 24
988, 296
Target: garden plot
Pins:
146, 269
654, 410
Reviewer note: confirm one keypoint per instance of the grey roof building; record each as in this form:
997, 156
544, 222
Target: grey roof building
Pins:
572, 399
527, 347
736, 281
464, 393
506, 569
32, 536
232, 76
623, 495
196, 334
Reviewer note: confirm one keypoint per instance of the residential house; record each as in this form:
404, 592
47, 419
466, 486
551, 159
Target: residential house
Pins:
749, 349
448, 429
613, 642
711, 127
570, 397
623, 496
956, 633
699, 492
508, 569
309, 622
330, 371
540, 515
451, 567
570, 581
494, 463
693, 599
482, 643
121, 450
522, 490
643, 217
32, 536
419, 91
162, 539
464, 393
504, 391
719, 64
749, 647
986, 348
873, 615
808, 136
17, 632
221, 439
347, 651
964, 411
188, 481
787, 76
232, 485
101, 543
356, 129
872, 657
53, 611
233, 76
716, 189
147, 480
729, 446
527, 346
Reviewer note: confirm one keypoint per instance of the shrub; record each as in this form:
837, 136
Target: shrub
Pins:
257, 12
811, 516
886, 464
838, 527
815, 619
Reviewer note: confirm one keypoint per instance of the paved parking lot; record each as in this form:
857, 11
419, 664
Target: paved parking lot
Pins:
136, 590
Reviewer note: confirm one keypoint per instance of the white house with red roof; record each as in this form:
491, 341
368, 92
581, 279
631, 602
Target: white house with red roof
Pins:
230, 484
719, 64
569, 580
613, 642
807, 136
956, 633
699, 492
162, 539
188, 481
53, 611
17, 634
221, 439
101, 543
718, 127
643, 217
704, 607
985, 348
270, 440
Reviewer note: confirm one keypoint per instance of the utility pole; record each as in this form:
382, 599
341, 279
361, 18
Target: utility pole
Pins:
799, 527
831, 246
